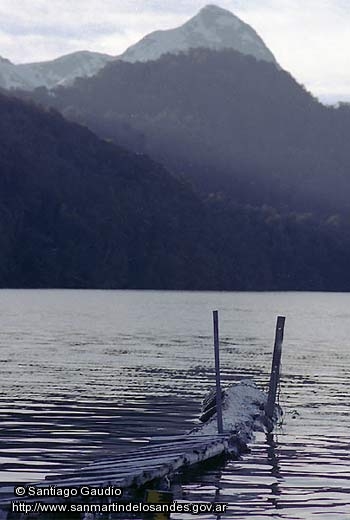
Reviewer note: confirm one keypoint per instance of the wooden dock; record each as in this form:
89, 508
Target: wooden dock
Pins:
132, 471
244, 409
137, 468
151, 465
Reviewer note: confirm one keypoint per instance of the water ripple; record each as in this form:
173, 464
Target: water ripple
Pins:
87, 374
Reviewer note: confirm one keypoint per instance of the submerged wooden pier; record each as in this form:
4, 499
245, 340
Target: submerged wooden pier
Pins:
243, 409
137, 468
150, 465
129, 472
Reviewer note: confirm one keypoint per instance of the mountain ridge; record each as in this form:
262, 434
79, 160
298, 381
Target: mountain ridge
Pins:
79, 212
225, 120
212, 27
59, 71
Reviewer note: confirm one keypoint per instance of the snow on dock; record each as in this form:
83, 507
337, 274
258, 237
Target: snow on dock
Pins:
243, 412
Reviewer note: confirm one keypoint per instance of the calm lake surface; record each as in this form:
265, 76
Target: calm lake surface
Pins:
87, 374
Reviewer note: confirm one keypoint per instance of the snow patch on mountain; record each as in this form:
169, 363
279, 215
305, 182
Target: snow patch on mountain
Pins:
61, 71
213, 28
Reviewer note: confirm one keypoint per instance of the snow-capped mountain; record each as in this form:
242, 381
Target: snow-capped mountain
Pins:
213, 28
9, 75
60, 71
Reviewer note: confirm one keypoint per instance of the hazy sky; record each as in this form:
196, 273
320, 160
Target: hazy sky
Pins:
310, 38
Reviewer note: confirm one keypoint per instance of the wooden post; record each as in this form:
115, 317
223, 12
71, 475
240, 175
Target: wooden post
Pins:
276, 365
217, 372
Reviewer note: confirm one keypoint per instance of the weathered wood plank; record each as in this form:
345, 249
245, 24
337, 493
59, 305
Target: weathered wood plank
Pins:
276, 365
141, 470
217, 372
139, 454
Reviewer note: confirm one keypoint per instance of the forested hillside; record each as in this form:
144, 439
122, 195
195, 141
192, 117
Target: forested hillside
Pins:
227, 121
80, 212
77, 211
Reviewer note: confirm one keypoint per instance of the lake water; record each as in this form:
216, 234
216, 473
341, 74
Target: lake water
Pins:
87, 374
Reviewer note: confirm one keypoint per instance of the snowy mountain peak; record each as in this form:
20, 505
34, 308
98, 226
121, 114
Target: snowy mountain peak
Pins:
60, 71
212, 27
214, 10
5, 60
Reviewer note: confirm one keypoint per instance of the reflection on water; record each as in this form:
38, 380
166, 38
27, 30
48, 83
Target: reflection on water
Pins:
85, 374
283, 477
